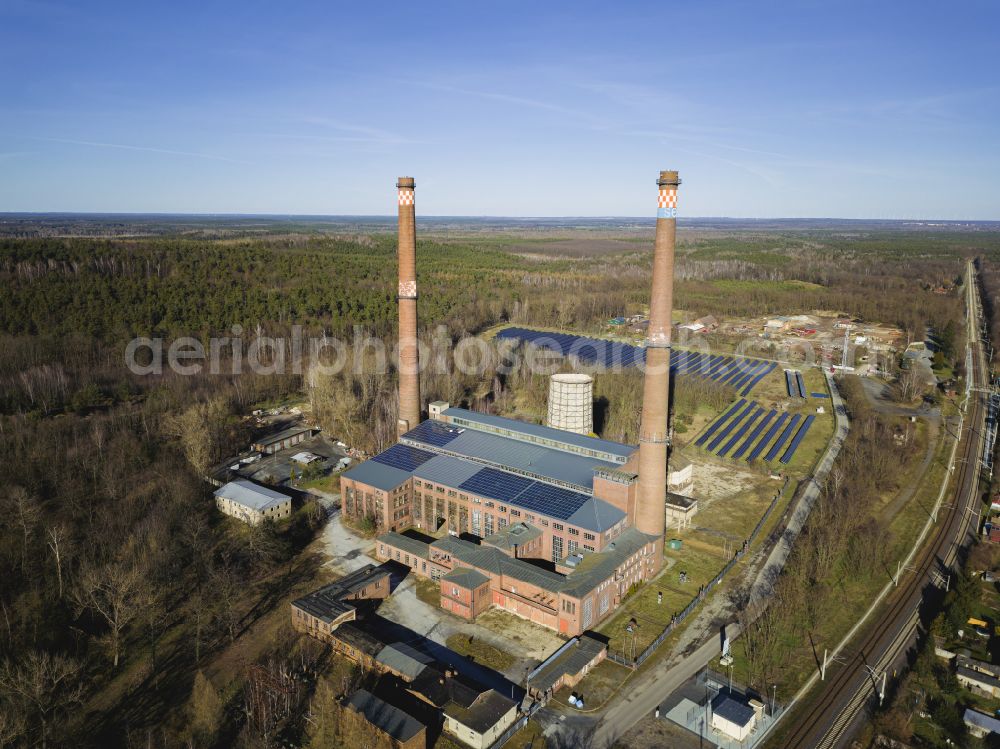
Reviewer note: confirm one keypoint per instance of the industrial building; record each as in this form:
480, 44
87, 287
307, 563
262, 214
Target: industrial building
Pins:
252, 503
595, 509
272, 443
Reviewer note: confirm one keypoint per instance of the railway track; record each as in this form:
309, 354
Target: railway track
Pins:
857, 681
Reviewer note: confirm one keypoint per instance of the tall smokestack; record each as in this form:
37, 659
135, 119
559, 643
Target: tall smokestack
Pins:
409, 370
650, 509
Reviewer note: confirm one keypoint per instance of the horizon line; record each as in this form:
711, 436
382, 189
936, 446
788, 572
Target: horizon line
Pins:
426, 217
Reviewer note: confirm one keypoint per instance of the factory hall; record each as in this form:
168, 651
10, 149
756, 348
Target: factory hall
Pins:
551, 524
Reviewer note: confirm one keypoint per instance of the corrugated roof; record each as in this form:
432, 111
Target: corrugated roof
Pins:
550, 433
982, 720
377, 474
251, 495
387, 718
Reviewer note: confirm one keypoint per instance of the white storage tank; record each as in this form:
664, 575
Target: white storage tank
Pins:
571, 403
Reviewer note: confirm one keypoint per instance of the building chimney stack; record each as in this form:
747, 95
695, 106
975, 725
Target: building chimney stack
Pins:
653, 435
409, 368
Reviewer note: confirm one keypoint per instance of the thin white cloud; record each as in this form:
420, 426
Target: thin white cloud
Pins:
130, 147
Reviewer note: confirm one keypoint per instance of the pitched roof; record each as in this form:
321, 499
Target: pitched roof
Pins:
482, 714
466, 578
406, 543
981, 720
596, 568
568, 662
249, 494
516, 534
404, 659
387, 718
592, 571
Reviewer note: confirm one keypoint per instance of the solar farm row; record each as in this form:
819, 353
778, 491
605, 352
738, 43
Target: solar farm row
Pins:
741, 427
739, 373
794, 384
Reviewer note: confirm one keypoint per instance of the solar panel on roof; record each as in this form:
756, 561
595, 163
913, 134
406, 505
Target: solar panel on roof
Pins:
403, 457
433, 433
551, 500
496, 484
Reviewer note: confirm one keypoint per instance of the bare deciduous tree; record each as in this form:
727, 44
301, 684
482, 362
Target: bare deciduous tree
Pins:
42, 686
115, 592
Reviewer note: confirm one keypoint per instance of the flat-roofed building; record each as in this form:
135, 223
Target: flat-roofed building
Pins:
252, 503
732, 716
680, 510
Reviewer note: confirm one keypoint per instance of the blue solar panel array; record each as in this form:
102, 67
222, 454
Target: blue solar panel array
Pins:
793, 446
740, 432
496, 484
741, 373
403, 457
766, 438
782, 437
433, 433
552, 500
718, 423
536, 496
747, 425
722, 435
754, 434
801, 384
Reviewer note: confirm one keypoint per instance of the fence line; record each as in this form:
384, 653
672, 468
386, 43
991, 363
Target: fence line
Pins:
678, 619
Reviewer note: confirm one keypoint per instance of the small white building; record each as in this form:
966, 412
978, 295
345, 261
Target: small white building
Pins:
732, 716
680, 474
481, 723
252, 503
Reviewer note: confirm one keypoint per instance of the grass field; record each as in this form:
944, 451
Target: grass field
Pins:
700, 561
480, 652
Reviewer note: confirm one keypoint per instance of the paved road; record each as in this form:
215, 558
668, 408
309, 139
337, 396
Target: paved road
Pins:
644, 692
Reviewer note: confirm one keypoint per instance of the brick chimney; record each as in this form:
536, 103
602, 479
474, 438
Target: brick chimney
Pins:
409, 369
653, 436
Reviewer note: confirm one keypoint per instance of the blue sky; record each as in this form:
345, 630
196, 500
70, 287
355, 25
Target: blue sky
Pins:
841, 109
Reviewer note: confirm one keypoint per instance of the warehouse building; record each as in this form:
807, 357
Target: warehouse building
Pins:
252, 503
272, 443
401, 730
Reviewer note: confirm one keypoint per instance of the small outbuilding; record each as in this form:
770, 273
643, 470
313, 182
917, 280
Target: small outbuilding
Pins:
732, 716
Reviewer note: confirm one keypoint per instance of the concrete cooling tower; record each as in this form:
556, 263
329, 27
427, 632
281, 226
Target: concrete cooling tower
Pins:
571, 403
